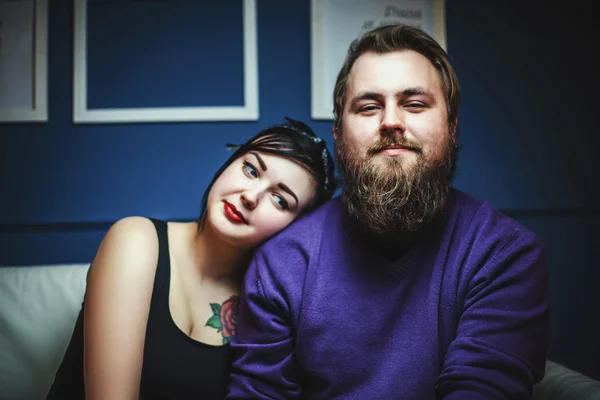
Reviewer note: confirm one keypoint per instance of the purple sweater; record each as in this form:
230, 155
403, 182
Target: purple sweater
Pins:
462, 315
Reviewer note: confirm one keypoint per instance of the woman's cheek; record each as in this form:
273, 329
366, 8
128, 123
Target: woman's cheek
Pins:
274, 224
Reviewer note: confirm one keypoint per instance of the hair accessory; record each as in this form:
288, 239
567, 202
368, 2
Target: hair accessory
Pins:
306, 131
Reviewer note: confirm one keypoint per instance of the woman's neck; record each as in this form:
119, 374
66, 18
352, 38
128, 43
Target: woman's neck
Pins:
218, 260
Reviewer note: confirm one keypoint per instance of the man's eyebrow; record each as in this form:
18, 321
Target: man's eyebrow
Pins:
366, 96
260, 161
408, 92
415, 91
285, 188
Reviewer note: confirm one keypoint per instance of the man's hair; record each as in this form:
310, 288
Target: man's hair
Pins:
296, 142
390, 38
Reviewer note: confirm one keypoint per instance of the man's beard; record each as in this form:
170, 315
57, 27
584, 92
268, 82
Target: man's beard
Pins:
389, 200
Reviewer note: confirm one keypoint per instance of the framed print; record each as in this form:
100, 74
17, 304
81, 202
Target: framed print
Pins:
336, 23
165, 61
23, 60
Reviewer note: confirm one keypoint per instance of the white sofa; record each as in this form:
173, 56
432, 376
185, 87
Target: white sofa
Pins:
38, 308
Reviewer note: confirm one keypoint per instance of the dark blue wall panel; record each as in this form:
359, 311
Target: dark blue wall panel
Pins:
573, 251
165, 54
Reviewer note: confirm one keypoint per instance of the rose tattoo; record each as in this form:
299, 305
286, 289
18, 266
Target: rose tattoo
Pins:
224, 318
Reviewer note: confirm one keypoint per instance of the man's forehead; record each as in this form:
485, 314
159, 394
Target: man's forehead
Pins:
392, 71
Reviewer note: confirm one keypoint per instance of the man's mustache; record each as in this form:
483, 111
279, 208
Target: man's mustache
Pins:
400, 141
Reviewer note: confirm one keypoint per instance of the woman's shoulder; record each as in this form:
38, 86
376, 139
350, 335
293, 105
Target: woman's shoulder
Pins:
130, 245
133, 234
136, 223
134, 228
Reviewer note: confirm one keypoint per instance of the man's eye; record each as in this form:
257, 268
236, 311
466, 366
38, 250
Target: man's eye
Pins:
415, 105
368, 108
281, 203
250, 170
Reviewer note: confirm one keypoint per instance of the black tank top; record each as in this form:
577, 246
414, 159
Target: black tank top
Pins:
175, 366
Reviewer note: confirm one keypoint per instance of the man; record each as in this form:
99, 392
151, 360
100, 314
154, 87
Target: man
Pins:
403, 288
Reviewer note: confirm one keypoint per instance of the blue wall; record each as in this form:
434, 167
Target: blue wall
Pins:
529, 131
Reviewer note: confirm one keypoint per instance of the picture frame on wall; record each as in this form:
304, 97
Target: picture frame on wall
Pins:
336, 23
170, 63
23, 60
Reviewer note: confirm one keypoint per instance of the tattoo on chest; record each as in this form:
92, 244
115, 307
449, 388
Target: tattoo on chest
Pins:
224, 318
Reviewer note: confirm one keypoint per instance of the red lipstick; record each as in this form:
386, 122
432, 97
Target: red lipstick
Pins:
233, 214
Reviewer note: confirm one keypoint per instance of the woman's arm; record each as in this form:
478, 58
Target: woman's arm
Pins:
117, 303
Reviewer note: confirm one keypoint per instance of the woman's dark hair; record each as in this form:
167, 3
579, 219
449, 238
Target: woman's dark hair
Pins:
295, 141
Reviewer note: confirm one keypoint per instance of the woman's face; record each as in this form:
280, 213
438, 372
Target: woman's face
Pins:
257, 196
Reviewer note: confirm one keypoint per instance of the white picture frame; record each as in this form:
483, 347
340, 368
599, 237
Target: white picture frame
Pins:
37, 111
336, 23
249, 111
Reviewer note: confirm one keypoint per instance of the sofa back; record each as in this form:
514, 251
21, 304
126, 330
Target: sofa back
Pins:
38, 309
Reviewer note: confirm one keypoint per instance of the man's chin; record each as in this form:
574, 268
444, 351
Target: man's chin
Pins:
385, 162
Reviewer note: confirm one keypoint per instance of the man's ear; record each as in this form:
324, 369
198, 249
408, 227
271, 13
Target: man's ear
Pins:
454, 127
335, 133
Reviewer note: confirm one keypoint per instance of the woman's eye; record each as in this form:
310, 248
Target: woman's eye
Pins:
250, 170
281, 202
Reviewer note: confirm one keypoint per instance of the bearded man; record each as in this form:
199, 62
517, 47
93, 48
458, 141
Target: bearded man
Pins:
403, 287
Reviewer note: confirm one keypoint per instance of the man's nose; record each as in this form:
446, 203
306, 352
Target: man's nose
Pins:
392, 121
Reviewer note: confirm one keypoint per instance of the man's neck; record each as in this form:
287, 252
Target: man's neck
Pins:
394, 245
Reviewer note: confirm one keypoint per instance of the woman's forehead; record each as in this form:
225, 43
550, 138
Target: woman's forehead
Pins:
276, 163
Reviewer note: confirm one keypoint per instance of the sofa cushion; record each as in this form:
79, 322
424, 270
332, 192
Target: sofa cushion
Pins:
562, 383
38, 309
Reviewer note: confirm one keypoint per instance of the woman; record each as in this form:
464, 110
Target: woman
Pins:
161, 297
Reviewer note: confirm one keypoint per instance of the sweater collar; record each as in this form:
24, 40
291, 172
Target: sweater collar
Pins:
399, 265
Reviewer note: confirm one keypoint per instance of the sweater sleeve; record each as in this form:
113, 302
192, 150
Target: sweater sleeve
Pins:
263, 347
499, 351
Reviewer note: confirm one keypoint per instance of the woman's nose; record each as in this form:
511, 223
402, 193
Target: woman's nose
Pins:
249, 199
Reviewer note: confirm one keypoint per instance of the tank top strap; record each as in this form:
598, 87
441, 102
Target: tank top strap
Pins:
163, 267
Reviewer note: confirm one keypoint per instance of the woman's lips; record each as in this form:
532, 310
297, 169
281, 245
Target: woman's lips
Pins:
233, 214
